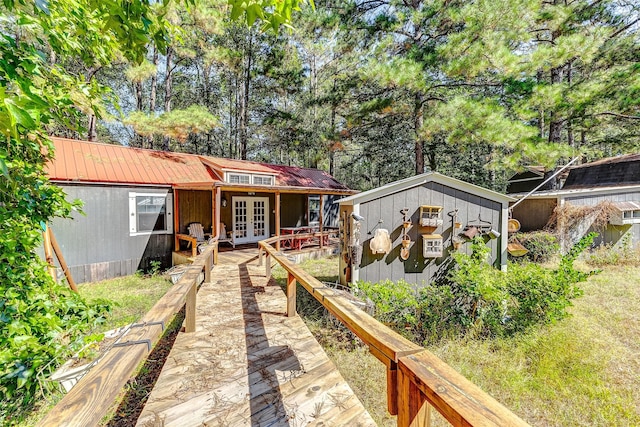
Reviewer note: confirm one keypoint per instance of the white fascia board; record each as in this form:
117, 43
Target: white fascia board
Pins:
577, 192
417, 180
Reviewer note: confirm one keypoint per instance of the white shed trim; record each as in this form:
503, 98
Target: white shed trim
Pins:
424, 178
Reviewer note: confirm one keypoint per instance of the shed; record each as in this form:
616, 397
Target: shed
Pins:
615, 180
433, 211
139, 203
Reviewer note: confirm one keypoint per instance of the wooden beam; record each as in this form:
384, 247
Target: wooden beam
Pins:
218, 207
267, 266
61, 260
190, 308
460, 402
91, 398
421, 379
291, 295
214, 208
48, 253
277, 219
321, 219
392, 388
288, 190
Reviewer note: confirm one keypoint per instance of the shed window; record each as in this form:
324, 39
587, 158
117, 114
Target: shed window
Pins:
239, 178
150, 213
432, 245
262, 180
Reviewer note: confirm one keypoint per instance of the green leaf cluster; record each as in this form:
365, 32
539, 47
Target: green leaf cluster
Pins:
477, 299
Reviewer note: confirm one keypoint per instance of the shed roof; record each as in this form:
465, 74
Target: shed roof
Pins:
612, 171
424, 178
84, 161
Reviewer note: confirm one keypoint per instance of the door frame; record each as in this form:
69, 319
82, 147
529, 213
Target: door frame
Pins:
251, 238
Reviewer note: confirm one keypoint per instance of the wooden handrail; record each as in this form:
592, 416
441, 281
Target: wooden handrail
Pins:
416, 379
90, 399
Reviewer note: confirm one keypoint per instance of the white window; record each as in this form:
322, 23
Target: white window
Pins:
249, 178
314, 210
262, 180
239, 178
632, 214
150, 213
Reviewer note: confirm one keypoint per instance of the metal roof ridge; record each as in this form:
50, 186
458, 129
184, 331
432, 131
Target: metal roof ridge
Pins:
423, 179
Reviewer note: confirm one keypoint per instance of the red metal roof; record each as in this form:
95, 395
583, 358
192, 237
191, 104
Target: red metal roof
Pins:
84, 161
286, 176
94, 162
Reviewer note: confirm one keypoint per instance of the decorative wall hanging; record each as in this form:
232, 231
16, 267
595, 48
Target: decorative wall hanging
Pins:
513, 225
406, 240
430, 216
432, 245
381, 242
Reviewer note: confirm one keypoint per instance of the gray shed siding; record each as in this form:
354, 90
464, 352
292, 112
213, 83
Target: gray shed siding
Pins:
416, 269
613, 233
97, 245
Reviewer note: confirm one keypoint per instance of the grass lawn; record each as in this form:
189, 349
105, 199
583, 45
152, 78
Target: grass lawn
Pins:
131, 298
583, 370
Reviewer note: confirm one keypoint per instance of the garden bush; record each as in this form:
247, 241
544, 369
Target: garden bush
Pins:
478, 299
623, 253
542, 245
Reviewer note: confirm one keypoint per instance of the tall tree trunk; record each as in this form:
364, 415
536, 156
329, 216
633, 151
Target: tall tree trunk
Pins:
231, 116
333, 133
570, 140
555, 121
168, 93
92, 133
244, 106
418, 117
541, 121
154, 93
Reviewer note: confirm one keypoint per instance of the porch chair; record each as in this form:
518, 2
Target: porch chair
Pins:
223, 236
197, 231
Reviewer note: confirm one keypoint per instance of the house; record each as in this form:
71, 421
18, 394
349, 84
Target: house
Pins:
615, 180
533, 176
431, 213
138, 203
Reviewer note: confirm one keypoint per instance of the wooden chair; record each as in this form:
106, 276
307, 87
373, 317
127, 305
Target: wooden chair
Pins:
223, 236
197, 231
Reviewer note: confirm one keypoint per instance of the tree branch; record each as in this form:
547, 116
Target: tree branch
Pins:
622, 116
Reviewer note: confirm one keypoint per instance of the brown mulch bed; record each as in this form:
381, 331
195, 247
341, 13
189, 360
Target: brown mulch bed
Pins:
139, 387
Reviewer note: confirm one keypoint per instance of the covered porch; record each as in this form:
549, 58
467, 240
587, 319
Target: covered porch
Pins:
243, 215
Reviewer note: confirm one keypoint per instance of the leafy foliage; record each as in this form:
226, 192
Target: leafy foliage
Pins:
542, 245
477, 299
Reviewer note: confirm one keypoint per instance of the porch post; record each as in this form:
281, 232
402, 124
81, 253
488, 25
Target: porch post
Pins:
278, 219
176, 220
321, 219
214, 209
218, 197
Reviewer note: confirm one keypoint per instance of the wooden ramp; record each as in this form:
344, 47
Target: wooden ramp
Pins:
247, 364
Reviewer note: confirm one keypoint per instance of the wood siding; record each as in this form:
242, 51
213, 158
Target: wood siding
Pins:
97, 245
194, 206
613, 234
534, 214
416, 269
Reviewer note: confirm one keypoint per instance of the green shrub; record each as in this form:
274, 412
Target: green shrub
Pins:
478, 299
621, 254
542, 245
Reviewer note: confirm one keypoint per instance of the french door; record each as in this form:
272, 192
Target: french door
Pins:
250, 219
